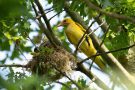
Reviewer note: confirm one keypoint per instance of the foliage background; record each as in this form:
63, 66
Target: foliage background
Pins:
20, 32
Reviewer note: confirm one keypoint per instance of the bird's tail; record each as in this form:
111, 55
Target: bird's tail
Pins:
99, 61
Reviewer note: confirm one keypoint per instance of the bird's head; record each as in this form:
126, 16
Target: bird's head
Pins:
66, 22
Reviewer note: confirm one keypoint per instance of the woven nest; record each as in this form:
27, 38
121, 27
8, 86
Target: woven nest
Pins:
51, 62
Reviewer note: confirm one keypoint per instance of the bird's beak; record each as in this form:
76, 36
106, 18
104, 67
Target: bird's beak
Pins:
60, 24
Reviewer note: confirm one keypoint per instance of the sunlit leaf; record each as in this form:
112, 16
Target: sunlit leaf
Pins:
7, 35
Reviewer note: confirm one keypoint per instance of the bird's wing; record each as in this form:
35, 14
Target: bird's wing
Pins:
86, 38
69, 37
80, 27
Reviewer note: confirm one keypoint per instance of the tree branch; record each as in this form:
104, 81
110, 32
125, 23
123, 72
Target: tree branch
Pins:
88, 73
41, 25
99, 21
48, 33
41, 10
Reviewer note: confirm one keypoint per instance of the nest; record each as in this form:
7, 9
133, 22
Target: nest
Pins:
51, 62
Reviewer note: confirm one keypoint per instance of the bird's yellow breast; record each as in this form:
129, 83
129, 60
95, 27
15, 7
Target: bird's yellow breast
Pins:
74, 33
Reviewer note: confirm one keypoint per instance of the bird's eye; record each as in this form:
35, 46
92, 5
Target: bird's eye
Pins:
64, 21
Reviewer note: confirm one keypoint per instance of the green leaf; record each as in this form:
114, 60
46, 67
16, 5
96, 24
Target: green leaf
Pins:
4, 45
130, 0
58, 5
119, 40
10, 42
11, 8
7, 35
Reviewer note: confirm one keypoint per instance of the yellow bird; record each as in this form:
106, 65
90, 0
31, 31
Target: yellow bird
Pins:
74, 33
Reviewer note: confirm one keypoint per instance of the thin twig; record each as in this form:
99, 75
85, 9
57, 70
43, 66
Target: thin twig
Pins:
30, 39
21, 52
92, 63
96, 29
39, 16
48, 9
95, 67
63, 84
111, 51
104, 36
14, 65
55, 15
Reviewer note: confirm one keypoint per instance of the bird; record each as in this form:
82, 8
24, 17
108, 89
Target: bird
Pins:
74, 32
